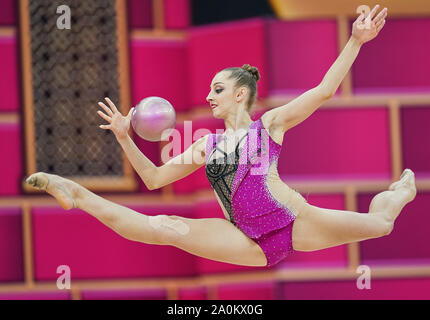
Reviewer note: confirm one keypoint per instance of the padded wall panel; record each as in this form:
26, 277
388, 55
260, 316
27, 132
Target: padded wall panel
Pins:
38, 295
8, 12
124, 294
159, 68
344, 143
415, 122
215, 47
397, 60
301, 53
407, 243
11, 250
9, 83
92, 250
152, 151
248, 291
198, 293
140, 13
177, 14
10, 141
380, 289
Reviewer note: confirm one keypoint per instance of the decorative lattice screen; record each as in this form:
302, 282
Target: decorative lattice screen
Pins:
71, 70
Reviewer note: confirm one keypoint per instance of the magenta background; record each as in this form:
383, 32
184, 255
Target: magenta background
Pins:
408, 241
8, 12
415, 139
248, 291
300, 54
129, 294
347, 142
213, 48
398, 60
11, 259
42, 295
331, 257
9, 84
177, 14
199, 293
338, 143
10, 140
140, 13
386, 289
157, 69
94, 251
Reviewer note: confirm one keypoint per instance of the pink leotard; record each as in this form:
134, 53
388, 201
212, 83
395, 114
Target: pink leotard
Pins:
241, 184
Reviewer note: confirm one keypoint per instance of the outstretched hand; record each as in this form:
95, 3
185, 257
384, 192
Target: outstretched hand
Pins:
118, 123
366, 28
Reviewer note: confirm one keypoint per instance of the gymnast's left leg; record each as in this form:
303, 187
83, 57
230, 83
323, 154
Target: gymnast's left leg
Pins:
317, 228
211, 238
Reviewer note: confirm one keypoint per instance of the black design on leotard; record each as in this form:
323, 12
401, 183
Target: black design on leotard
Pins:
221, 172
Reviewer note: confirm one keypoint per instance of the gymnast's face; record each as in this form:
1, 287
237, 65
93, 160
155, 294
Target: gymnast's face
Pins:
223, 95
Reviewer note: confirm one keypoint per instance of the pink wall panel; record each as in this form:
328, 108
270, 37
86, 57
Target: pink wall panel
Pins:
140, 13
415, 136
248, 291
42, 295
177, 14
10, 141
406, 244
130, 294
152, 151
343, 143
8, 64
11, 259
199, 293
189, 132
331, 257
385, 65
8, 12
159, 68
380, 289
215, 47
301, 53
92, 250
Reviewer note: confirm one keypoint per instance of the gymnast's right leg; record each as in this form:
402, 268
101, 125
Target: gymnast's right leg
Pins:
215, 239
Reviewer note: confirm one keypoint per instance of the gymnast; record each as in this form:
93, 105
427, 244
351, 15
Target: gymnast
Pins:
265, 220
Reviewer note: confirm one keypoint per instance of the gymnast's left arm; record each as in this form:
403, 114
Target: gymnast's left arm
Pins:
299, 109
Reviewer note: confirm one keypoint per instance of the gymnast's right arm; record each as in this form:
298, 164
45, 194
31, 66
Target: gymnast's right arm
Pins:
153, 176
175, 169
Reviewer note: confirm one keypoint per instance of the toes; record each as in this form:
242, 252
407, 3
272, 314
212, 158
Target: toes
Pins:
38, 181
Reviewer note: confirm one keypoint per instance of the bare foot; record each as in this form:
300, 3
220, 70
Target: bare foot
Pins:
406, 182
63, 190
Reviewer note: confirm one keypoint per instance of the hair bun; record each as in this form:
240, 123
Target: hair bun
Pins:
252, 70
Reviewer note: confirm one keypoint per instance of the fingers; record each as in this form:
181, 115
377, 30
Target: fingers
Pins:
105, 107
112, 105
130, 113
381, 16
360, 18
380, 26
101, 114
372, 13
105, 127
